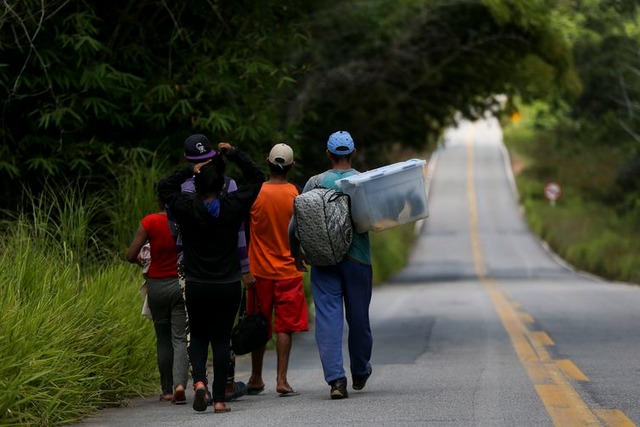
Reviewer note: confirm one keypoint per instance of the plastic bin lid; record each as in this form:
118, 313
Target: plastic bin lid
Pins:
381, 171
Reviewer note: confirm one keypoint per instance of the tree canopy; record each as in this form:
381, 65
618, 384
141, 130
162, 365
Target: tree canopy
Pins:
399, 73
83, 82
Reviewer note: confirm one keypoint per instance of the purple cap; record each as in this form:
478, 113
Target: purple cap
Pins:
197, 148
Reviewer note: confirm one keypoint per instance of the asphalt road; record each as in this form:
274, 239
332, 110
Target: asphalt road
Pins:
484, 327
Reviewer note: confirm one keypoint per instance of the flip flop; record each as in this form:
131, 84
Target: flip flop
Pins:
221, 410
239, 390
179, 397
252, 391
288, 393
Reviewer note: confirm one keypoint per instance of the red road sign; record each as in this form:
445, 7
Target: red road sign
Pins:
552, 191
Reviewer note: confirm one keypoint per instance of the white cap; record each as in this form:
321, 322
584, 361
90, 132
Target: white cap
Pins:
281, 155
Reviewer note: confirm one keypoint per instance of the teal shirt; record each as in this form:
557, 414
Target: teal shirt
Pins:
360, 249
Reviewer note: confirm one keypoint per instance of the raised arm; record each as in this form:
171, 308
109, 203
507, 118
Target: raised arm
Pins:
250, 171
237, 204
170, 187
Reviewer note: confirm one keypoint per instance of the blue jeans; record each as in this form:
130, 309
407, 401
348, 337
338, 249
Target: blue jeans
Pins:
348, 284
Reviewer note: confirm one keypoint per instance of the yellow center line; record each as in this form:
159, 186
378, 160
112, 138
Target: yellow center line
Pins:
551, 379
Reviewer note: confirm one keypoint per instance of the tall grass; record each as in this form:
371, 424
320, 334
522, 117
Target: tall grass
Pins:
134, 194
71, 335
590, 236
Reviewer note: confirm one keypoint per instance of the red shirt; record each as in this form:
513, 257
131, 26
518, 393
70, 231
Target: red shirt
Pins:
164, 256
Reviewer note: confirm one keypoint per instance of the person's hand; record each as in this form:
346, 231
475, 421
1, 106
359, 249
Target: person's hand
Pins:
301, 263
198, 166
248, 280
225, 148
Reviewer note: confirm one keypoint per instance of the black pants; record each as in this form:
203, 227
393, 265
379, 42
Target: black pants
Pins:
212, 310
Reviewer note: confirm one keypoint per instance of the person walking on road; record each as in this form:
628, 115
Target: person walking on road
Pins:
165, 303
341, 290
278, 290
212, 272
197, 148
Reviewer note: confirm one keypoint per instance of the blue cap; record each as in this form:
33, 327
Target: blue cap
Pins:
340, 143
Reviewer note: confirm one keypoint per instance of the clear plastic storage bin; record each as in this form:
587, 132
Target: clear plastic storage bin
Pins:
388, 196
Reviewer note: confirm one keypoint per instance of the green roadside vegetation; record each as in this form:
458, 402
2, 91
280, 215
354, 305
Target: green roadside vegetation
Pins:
589, 143
71, 335
591, 225
390, 250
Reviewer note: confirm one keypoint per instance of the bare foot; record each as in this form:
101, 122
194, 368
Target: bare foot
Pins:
284, 388
255, 383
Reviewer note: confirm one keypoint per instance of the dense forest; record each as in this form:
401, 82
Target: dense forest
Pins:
86, 84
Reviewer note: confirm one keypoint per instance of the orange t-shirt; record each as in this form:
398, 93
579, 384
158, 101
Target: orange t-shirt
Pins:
269, 253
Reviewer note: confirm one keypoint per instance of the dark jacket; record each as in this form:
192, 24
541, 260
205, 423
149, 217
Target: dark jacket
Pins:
210, 231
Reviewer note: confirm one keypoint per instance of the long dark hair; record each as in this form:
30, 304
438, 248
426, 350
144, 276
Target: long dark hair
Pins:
210, 179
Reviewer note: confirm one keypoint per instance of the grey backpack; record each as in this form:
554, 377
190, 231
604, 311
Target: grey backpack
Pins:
323, 225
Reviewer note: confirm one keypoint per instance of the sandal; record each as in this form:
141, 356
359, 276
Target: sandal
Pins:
179, 397
200, 400
220, 408
239, 390
288, 393
252, 391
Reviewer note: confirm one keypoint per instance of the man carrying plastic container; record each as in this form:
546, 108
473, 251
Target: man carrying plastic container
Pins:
341, 290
